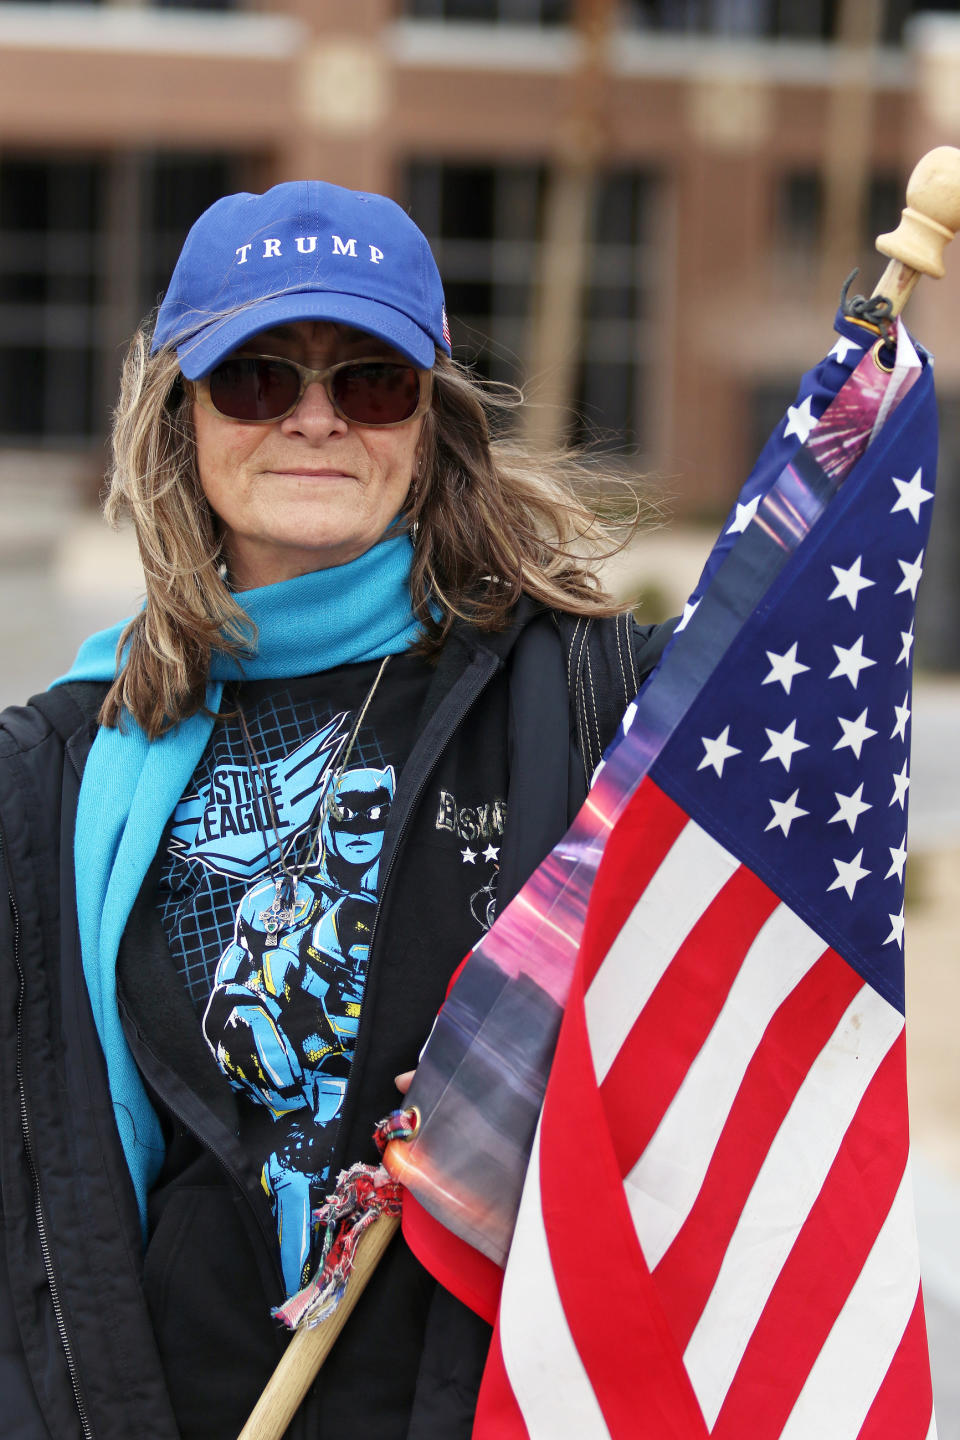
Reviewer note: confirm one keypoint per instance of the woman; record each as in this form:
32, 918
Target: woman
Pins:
254, 831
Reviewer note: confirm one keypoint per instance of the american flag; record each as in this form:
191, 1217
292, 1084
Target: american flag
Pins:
728, 1246
716, 1232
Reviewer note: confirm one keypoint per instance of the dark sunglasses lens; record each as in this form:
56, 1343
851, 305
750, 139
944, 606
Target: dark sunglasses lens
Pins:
248, 387
376, 393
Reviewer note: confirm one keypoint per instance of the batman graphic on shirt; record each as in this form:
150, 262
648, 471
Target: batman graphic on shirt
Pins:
283, 1003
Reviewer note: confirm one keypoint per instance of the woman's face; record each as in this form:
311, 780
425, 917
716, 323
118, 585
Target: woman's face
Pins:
311, 490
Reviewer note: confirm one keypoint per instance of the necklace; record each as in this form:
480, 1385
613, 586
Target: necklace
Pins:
281, 913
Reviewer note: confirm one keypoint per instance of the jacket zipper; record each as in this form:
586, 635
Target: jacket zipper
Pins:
221, 1159
39, 1215
336, 1163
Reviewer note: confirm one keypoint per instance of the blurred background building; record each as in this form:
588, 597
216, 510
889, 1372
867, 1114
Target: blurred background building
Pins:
630, 202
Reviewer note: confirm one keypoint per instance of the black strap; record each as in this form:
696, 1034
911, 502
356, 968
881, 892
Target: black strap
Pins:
607, 662
69, 707
538, 799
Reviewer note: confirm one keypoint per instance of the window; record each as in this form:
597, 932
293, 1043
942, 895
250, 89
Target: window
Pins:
617, 343
798, 221
86, 245
484, 223
517, 12
48, 288
764, 19
195, 4
162, 4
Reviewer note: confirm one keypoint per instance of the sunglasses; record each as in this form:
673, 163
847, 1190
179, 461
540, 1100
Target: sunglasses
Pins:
259, 389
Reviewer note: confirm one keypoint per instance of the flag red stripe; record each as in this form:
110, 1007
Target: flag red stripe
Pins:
904, 1402
497, 1415
825, 1261
793, 1039
641, 838
672, 1027
635, 1369
472, 1277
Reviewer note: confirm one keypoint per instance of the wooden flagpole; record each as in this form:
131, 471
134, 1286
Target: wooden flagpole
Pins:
915, 248
311, 1345
927, 224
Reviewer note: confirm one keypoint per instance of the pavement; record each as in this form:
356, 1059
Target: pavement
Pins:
63, 574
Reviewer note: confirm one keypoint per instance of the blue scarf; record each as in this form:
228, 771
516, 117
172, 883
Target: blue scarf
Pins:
350, 613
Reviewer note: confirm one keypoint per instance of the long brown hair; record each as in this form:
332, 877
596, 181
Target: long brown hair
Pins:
491, 520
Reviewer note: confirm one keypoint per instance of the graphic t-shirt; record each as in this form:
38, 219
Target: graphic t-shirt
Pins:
277, 975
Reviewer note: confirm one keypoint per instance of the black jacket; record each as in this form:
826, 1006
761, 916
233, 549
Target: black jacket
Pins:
98, 1339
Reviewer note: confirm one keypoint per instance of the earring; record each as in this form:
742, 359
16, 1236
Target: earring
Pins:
414, 486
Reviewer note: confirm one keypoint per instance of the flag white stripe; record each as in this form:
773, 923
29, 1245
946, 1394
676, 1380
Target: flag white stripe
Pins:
788, 1183
542, 1363
932, 1432
689, 878
663, 1185
851, 1366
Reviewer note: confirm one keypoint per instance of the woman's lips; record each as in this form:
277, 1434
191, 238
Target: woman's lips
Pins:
304, 474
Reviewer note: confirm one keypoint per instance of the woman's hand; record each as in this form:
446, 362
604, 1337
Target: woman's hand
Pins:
404, 1081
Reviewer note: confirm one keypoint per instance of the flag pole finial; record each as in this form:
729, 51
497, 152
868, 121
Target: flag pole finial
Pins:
927, 224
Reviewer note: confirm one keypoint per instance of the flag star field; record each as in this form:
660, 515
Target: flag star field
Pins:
802, 764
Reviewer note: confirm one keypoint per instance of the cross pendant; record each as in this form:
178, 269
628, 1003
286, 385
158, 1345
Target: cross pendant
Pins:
277, 917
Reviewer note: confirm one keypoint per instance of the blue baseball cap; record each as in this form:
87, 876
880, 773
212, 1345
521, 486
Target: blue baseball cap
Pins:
304, 250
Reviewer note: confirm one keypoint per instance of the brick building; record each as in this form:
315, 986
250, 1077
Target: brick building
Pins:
713, 126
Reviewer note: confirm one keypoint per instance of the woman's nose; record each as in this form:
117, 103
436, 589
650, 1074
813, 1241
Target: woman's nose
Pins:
314, 416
